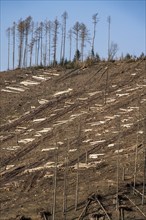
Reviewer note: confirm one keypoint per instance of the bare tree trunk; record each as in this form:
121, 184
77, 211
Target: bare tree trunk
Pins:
77, 174
41, 42
9, 34
46, 43
20, 28
55, 32
38, 49
49, 27
13, 33
61, 49
118, 148
27, 25
76, 29
77, 183
144, 148
136, 148
31, 43
55, 183
70, 43
49, 47
106, 87
65, 182
95, 20
84, 37
109, 23
65, 16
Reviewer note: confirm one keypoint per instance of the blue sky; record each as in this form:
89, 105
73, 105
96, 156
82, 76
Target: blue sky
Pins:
128, 17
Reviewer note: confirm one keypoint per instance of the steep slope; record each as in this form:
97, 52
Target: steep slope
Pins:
90, 121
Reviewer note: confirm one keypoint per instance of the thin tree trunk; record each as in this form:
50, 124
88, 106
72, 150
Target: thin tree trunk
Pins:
70, 43
61, 49
64, 41
65, 182
49, 47
118, 148
41, 41
144, 172
109, 22
106, 87
77, 174
55, 183
9, 34
13, 32
136, 148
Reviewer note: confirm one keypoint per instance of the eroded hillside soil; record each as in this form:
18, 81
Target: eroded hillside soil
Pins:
83, 124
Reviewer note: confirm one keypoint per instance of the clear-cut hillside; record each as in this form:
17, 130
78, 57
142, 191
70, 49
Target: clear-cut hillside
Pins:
86, 122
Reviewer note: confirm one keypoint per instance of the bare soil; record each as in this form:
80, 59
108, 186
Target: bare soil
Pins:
83, 116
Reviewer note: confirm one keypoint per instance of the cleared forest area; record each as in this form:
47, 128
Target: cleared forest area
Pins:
73, 142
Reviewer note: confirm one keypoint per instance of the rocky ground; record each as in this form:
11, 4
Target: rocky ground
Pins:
84, 124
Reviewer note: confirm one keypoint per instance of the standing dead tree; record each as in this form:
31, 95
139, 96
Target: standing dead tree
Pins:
112, 50
14, 37
46, 42
84, 33
9, 35
76, 29
95, 21
49, 41
20, 29
32, 42
64, 16
27, 26
47, 50
55, 34
70, 42
61, 49
41, 41
109, 23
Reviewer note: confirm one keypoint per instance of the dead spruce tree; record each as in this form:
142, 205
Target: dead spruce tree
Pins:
70, 42
46, 43
64, 17
109, 23
38, 43
61, 48
41, 42
95, 20
20, 32
31, 44
55, 28
49, 25
36, 39
113, 50
76, 29
13, 29
27, 26
8, 31
84, 36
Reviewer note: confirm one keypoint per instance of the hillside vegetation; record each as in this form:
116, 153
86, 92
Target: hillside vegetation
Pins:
77, 135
